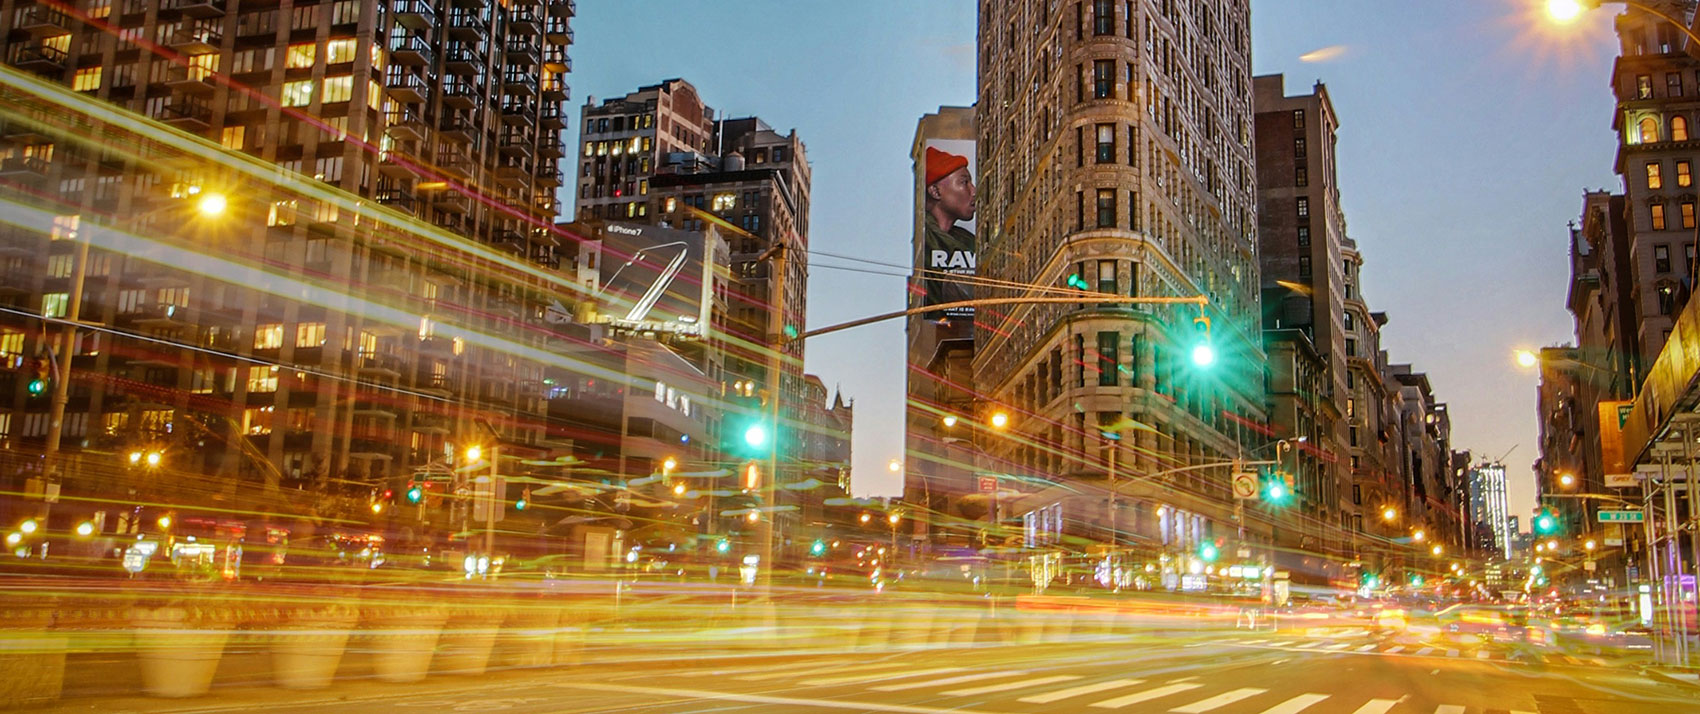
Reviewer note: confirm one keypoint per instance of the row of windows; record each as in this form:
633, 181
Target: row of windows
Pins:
1656, 212
603, 125
1656, 176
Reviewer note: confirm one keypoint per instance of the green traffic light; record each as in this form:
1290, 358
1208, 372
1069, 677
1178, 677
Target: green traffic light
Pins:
1208, 552
1203, 355
756, 435
415, 494
723, 545
1076, 282
520, 505
819, 548
37, 387
1546, 524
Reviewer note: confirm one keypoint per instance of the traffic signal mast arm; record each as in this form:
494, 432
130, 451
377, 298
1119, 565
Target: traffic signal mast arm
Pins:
1200, 300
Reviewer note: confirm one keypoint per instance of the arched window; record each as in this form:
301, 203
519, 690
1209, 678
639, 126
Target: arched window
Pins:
1678, 129
1649, 130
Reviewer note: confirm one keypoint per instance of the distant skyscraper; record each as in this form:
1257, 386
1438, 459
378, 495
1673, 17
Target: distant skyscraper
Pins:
1488, 508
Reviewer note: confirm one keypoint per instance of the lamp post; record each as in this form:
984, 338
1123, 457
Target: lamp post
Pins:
209, 205
1566, 11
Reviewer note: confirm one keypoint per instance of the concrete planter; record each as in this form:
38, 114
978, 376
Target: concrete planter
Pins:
530, 634
32, 667
403, 642
308, 647
178, 649
467, 641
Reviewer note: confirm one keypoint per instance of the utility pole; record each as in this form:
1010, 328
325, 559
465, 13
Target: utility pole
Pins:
777, 341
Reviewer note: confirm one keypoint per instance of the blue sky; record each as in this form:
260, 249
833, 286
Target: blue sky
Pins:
1468, 132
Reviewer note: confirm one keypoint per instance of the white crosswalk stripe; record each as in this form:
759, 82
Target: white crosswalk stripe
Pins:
1484, 654
1337, 646
1449, 709
960, 679
768, 673
858, 678
1452, 653
1144, 696
1376, 706
1006, 686
1218, 701
1296, 704
1253, 642
1424, 651
1365, 648
1396, 649
1307, 645
1079, 691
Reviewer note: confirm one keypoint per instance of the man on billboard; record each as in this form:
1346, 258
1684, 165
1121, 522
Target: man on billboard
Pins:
949, 247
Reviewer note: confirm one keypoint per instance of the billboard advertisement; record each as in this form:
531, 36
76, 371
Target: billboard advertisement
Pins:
949, 250
654, 279
1613, 415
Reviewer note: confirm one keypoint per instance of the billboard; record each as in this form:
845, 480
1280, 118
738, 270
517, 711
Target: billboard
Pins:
949, 250
1613, 415
654, 279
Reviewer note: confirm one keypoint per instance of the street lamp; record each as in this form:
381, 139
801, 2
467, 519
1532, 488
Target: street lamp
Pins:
28, 526
1419, 535
1389, 513
1000, 419
1566, 480
1437, 549
949, 421
474, 453
153, 458
894, 465
1564, 12
1588, 544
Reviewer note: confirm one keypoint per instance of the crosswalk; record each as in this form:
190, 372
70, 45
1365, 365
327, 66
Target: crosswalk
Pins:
1078, 692
1379, 647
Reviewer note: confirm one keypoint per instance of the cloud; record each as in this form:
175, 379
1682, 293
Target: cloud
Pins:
1325, 54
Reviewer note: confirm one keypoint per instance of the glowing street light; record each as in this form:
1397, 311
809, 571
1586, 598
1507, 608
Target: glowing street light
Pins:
1589, 544
164, 522
1437, 550
894, 465
948, 421
893, 519
135, 457
669, 464
678, 489
1566, 480
1203, 354
1419, 535
1389, 513
29, 526
212, 204
1526, 359
1000, 419
1564, 11
85, 529
153, 458
1552, 545
753, 516
474, 453
13, 538
865, 518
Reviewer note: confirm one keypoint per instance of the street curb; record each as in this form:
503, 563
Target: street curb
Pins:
1652, 673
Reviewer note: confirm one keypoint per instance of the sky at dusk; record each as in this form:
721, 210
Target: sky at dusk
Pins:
1469, 129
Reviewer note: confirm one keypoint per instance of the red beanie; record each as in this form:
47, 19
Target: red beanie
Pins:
941, 164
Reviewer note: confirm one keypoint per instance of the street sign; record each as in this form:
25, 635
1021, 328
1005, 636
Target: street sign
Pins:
988, 484
1245, 485
1621, 516
1620, 480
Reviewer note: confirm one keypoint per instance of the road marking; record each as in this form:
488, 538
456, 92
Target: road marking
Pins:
1424, 651
1365, 648
1218, 701
790, 702
948, 680
1296, 704
1253, 642
1484, 654
1183, 679
815, 670
1452, 653
1338, 646
1146, 695
1376, 706
1306, 645
1449, 709
854, 678
1018, 684
1083, 689
1396, 649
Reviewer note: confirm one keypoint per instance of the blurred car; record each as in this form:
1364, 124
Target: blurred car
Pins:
1484, 622
1613, 637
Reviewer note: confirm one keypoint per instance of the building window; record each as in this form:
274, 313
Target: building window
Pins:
262, 379
1106, 208
1108, 358
302, 55
55, 304
257, 421
1107, 277
1667, 299
1673, 84
1688, 251
1649, 130
1079, 360
338, 89
1304, 207
268, 336
310, 334
1304, 236
1357, 494
1301, 176
1678, 129
1106, 143
1684, 177
1298, 120
1299, 147
1661, 258
1655, 176
1658, 210
1304, 266
1643, 87
1349, 322
1351, 347
298, 93
87, 79
1103, 17
1687, 213
340, 50
1103, 79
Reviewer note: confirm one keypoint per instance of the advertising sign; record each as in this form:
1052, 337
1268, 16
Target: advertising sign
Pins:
1613, 415
654, 279
946, 175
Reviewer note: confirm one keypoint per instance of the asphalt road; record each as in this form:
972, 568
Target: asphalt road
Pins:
1226, 673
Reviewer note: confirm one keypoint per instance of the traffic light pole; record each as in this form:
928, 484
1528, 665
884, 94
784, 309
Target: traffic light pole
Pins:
776, 260
62, 361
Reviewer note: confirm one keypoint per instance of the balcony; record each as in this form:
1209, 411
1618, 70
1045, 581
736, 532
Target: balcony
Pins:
515, 142
194, 80
522, 51
459, 128
550, 146
452, 202
41, 22
371, 449
520, 84
510, 240
378, 363
36, 57
195, 8
187, 113
411, 50
555, 89
462, 94
431, 423
159, 317
523, 21
404, 124
562, 8
549, 176
552, 117
459, 166
397, 164
414, 14
546, 257
196, 38
398, 199
437, 345
373, 405
512, 173
404, 86
450, 222
30, 168
557, 32
437, 384
516, 113
463, 59
467, 25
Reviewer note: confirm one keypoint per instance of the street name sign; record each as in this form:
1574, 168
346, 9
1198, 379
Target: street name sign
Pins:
1620, 516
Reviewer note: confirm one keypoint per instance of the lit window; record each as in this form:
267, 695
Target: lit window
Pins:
1649, 130
302, 55
1687, 214
725, 201
262, 379
54, 304
87, 79
1655, 178
670, 204
1678, 129
257, 421
340, 50
1658, 216
338, 89
268, 336
233, 137
282, 213
298, 93
1684, 177
65, 227
310, 334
